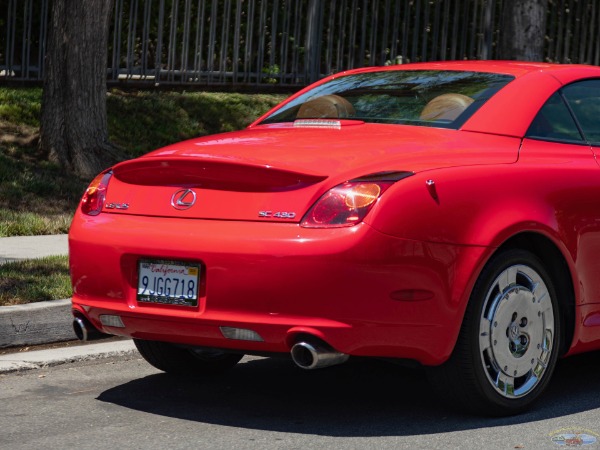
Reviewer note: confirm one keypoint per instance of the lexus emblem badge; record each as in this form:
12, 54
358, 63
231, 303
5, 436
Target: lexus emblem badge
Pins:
183, 199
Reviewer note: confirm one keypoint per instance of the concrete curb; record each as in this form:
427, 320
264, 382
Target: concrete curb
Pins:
46, 323
36, 323
16, 362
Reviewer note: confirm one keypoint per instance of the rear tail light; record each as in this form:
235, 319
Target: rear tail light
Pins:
348, 204
93, 199
345, 205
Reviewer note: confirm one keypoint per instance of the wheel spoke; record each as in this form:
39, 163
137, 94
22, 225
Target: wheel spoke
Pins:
546, 345
539, 368
484, 334
507, 278
505, 383
540, 292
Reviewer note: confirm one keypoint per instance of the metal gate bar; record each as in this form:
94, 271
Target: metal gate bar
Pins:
288, 42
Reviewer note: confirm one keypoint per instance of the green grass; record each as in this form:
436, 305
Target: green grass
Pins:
21, 106
36, 197
34, 280
24, 223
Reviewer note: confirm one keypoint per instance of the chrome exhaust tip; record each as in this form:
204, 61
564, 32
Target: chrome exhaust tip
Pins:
311, 356
85, 331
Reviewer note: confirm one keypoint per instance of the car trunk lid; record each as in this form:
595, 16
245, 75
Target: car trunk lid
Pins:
277, 172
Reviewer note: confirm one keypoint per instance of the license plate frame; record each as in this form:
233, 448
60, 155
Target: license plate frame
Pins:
168, 282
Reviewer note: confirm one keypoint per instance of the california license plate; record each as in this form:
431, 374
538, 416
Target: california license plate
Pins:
168, 282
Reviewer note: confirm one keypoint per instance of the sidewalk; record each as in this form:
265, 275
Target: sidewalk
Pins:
43, 322
30, 247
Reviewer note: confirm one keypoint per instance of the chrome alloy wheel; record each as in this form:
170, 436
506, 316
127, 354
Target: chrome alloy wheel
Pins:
516, 331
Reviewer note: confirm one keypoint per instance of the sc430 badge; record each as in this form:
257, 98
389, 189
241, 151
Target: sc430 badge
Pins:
276, 214
117, 206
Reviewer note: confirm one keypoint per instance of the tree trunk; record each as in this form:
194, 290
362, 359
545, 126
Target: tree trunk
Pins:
523, 30
73, 121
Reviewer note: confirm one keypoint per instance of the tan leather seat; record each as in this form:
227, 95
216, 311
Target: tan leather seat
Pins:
326, 107
446, 107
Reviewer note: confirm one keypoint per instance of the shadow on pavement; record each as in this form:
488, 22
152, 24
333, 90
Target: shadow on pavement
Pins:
358, 399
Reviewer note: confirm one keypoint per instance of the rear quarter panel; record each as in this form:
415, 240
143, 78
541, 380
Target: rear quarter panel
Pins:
553, 189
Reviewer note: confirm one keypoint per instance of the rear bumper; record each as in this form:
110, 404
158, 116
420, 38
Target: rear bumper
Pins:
362, 292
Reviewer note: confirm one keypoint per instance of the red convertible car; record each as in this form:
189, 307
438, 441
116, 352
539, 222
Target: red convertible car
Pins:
446, 214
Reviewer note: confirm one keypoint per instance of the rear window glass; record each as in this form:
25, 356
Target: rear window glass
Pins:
426, 97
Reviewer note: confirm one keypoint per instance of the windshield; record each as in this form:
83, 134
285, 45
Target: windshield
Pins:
425, 97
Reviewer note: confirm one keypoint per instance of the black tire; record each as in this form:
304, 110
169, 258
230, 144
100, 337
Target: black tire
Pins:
509, 341
177, 360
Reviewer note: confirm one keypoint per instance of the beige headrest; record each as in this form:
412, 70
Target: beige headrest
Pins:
446, 107
326, 107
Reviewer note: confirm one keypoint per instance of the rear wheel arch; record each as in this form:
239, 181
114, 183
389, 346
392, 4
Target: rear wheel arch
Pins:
507, 347
510, 337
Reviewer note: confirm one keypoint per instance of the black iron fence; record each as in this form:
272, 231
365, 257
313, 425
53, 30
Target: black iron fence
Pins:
288, 42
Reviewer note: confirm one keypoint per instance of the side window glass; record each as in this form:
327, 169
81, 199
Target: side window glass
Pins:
554, 122
584, 99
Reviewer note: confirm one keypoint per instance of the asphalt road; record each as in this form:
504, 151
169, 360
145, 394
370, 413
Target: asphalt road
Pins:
270, 404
